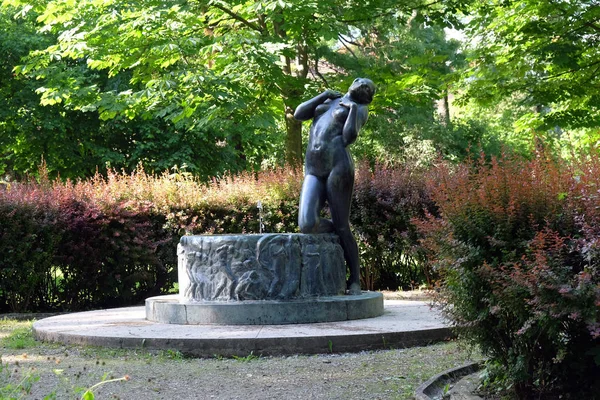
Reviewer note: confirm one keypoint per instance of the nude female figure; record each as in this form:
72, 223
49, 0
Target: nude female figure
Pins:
329, 169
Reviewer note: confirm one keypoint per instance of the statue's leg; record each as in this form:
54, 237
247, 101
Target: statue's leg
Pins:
339, 196
312, 199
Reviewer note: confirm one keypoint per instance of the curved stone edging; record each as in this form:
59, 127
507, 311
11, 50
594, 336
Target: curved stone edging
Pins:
433, 388
275, 346
169, 310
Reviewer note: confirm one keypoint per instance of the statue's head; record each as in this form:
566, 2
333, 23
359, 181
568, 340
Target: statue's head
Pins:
362, 90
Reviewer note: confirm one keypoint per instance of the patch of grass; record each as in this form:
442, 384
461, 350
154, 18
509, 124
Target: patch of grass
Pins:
16, 384
413, 366
248, 358
170, 355
175, 288
17, 334
8, 325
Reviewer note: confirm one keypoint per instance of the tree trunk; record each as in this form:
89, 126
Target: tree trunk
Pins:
443, 109
293, 139
292, 95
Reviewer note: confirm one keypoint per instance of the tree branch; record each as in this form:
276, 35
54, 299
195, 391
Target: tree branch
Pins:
346, 46
349, 41
318, 73
572, 70
592, 25
262, 22
302, 61
591, 77
239, 18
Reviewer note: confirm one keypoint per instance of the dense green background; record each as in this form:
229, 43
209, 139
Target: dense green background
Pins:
211, 85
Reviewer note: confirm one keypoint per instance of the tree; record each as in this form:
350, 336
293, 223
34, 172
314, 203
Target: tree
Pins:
29, 131
544, 53
415, 66
201, 63
76, 144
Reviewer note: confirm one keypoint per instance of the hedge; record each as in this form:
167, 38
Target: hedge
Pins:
111, 240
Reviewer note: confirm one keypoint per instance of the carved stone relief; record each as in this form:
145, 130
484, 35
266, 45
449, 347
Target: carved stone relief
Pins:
261, 267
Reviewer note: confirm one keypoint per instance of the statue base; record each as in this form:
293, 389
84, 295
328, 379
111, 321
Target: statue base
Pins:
270, 266
260, 279
170, 310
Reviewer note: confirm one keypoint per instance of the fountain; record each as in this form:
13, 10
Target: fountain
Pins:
286, 278
258, 279
245, 294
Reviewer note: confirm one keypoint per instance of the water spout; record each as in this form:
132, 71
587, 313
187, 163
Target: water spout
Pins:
260, 217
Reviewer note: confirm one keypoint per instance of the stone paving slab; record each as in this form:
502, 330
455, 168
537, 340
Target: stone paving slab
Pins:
403, 324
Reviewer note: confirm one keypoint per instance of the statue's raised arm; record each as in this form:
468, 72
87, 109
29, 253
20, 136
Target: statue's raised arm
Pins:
306, 110
329, 169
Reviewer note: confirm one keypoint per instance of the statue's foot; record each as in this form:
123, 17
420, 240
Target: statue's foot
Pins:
354, 289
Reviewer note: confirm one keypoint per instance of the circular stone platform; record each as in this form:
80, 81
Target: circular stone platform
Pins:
169, 310
403, 324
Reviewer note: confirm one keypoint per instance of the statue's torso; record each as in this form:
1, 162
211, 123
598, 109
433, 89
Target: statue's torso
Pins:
326, 145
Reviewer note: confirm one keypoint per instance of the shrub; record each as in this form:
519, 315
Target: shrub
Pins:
111, 241
517, 244
64, 248
110, 257
385, 200
28, 238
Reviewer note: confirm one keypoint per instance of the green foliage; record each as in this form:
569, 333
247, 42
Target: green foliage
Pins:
77, 142
516, 244
20, 338
88, 394
24, 123
249, 358
16, 383
228, 69
496, 124
211, 86
170, 354
413, 70
545, 52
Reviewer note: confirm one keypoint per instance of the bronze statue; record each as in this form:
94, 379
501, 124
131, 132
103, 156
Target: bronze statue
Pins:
329, 169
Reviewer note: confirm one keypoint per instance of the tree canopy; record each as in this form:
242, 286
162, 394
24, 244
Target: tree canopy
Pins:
212, 84
205, 63
543, 53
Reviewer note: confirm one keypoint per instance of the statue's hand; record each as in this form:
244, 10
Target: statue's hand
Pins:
348, 104
332, 94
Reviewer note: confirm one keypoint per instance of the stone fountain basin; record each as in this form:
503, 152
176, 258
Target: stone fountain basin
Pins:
172, 310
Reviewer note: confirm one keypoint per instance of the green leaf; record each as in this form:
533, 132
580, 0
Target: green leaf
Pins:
88, 395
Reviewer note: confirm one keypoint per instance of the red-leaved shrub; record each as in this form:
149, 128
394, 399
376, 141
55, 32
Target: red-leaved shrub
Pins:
386, 199
516, 242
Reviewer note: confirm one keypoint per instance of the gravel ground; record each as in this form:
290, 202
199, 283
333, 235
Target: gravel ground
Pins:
66, 371
53, 371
